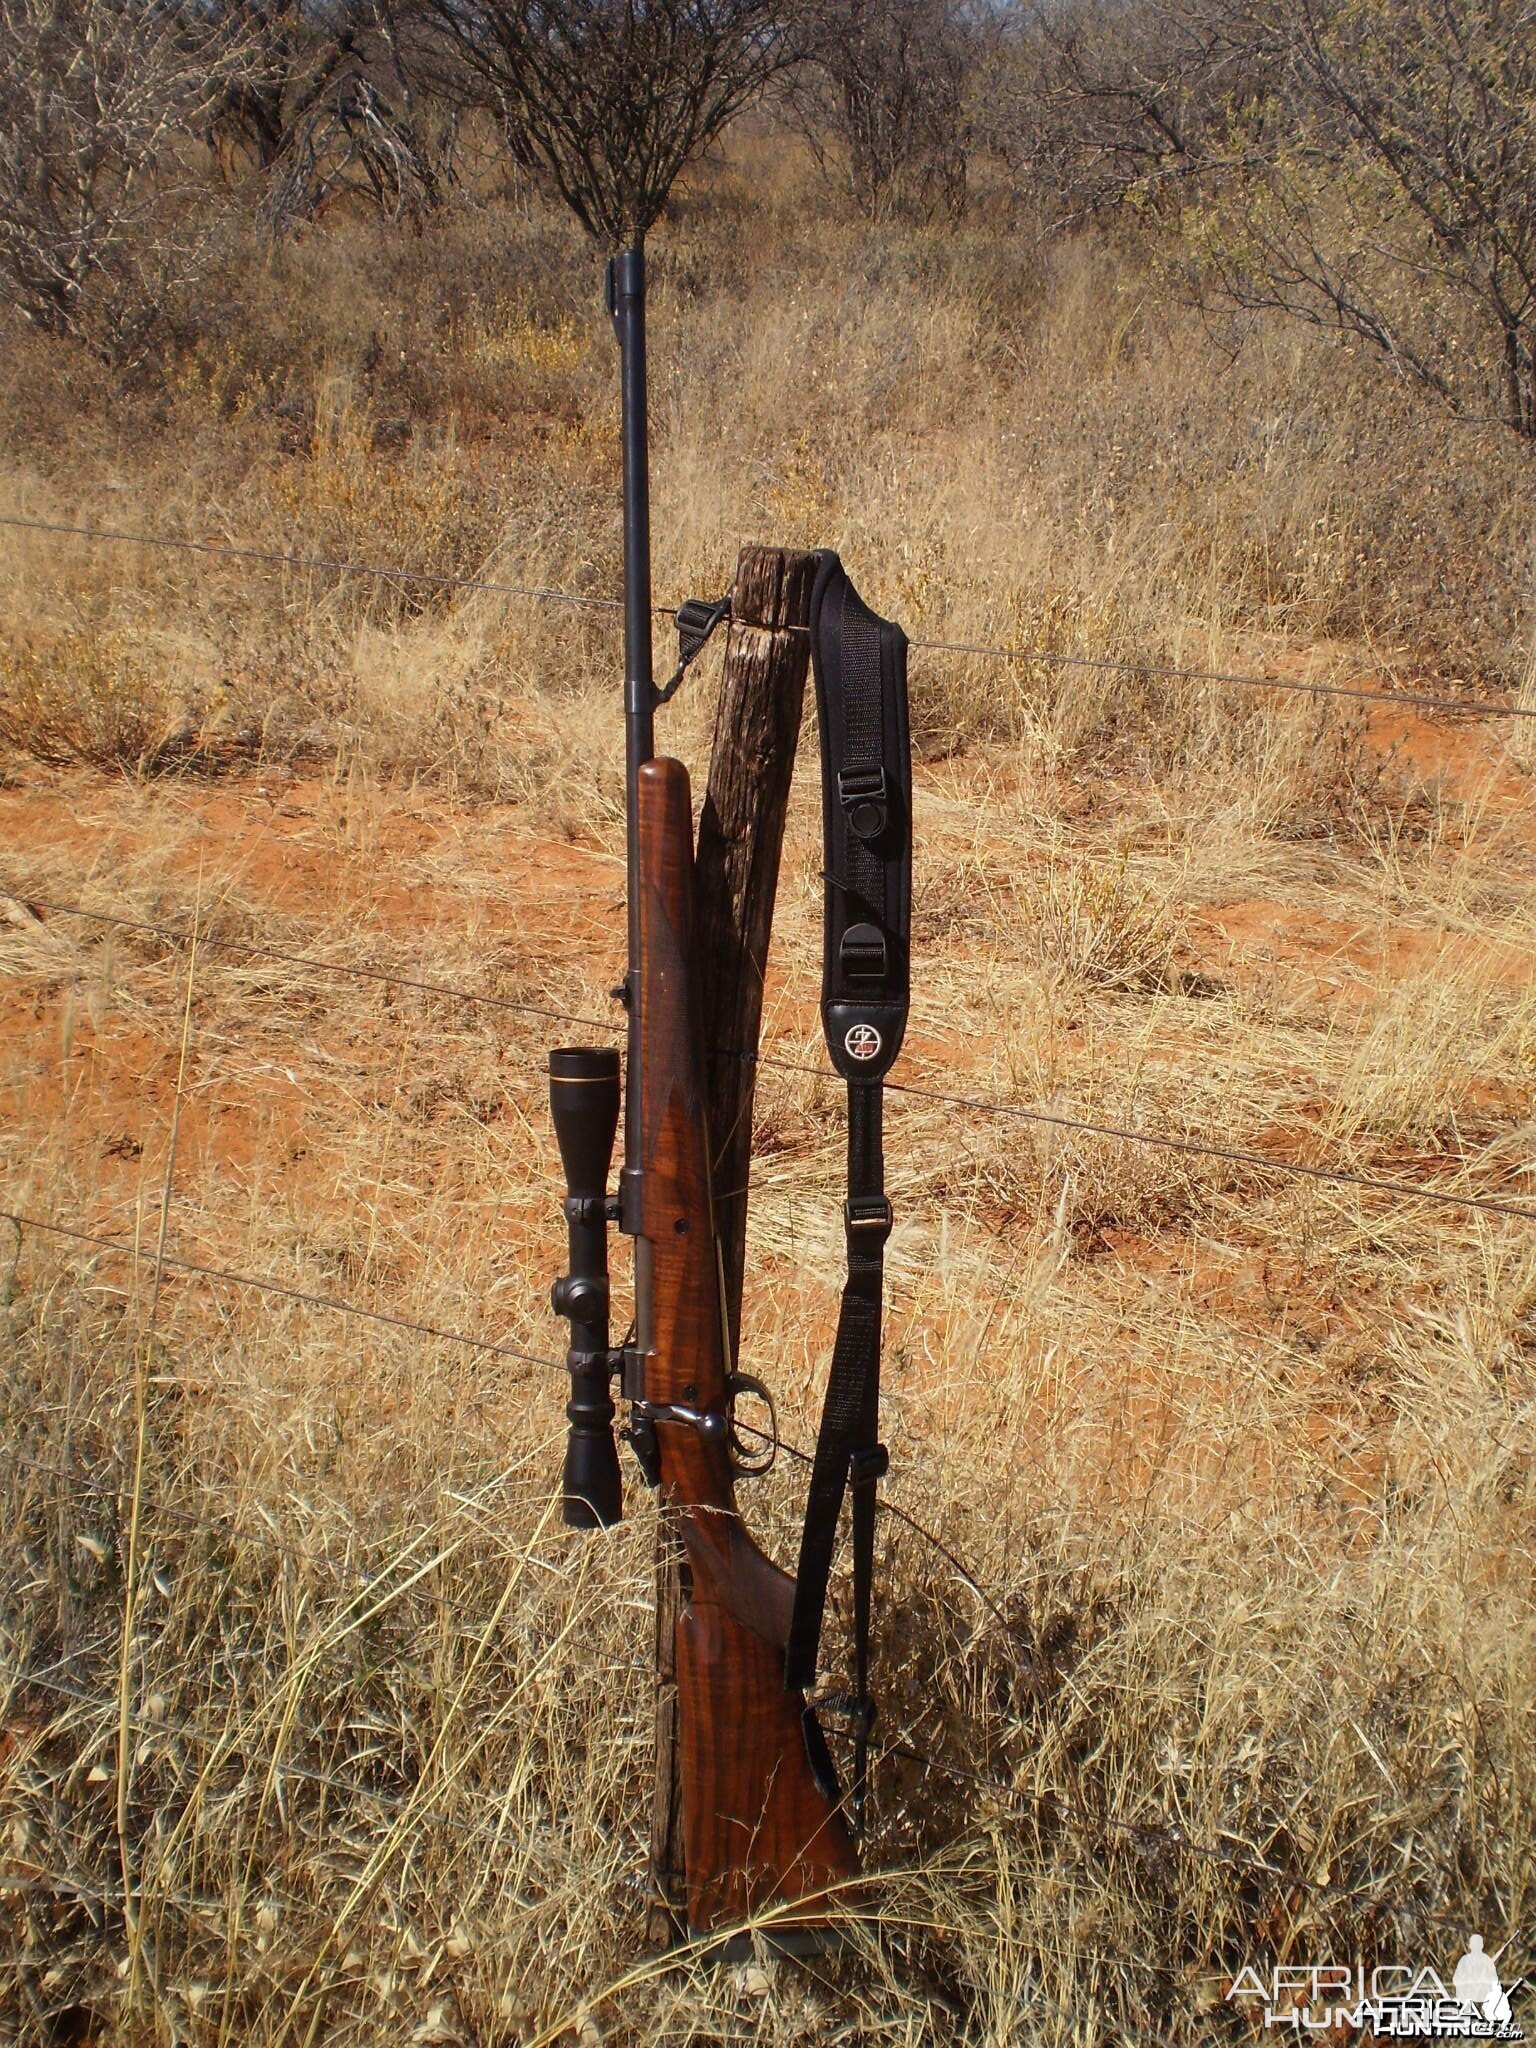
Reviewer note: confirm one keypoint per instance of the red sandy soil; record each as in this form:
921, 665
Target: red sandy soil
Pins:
336, 1110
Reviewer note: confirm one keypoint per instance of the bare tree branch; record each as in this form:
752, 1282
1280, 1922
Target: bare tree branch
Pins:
898, 73
1367, 165
327, 100
612, 98
98, 101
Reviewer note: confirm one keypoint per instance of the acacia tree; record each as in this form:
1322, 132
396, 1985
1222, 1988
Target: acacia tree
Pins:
897, 72
288, 56
1104, 104
1367, 165
324, 102
1401, 206
610, 99
98, 101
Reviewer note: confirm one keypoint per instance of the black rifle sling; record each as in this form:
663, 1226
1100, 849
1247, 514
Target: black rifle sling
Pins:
860, 663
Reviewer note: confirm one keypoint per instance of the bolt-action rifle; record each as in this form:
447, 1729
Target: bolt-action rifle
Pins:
764, 1821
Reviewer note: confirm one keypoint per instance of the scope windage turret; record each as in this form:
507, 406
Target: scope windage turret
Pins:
584, 1102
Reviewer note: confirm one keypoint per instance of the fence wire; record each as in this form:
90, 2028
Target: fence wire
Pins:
1159, 1832
21, 1221
323, 564
1016, 656
1165, 1141
307, 963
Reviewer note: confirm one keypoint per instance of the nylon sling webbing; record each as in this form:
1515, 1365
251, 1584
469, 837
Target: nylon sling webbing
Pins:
860, 665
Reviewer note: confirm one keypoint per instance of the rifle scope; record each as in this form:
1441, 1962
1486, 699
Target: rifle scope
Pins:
584, 1102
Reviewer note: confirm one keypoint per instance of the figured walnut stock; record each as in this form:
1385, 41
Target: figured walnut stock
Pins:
756, 1828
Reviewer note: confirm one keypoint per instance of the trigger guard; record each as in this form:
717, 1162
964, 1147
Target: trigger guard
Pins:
752, 1464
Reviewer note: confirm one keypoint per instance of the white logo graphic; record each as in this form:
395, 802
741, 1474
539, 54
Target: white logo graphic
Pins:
1393, 2001
863, 1042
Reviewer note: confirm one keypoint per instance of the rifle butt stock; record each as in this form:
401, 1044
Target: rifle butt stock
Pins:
760, 1826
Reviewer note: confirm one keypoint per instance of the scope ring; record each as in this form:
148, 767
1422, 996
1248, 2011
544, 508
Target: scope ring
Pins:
752, 1464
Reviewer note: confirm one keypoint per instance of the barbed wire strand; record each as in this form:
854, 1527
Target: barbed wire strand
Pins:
272, 558
1167, 1141
1232, 1155
309, 964
22, 1221
1414, 700
1055, 657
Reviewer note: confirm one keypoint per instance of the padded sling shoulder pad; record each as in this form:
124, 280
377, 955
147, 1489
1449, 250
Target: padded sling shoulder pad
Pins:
866, 767
860, 663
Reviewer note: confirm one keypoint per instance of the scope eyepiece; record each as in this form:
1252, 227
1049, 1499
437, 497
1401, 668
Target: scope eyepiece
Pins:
584, 1102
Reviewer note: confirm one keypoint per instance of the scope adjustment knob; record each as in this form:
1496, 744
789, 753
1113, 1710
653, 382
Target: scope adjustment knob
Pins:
582, 1297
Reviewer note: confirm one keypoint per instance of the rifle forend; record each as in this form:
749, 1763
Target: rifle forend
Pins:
761, 1820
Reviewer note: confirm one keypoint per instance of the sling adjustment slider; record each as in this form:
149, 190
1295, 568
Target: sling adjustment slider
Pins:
865, 795
863, 954
868, 1217
867, 1464
860, 1715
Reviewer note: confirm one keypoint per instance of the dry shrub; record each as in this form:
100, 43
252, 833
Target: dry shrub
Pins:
1097, 923
418, 507
1013, 447
85, 697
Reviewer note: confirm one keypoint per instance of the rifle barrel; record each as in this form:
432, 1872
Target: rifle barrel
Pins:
626, 303
627, 299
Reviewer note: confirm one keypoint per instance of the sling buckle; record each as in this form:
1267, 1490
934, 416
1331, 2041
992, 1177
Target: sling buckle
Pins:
862, 954
868, 1216
865, 795
867, 1464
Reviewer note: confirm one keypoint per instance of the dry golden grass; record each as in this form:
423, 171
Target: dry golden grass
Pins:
1238, 1467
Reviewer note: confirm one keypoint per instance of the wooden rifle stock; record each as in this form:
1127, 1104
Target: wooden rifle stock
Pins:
758, 1829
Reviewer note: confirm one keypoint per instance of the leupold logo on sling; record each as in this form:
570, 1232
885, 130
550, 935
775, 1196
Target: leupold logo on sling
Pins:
1392, 2001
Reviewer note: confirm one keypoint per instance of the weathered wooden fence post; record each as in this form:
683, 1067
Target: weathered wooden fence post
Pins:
736, 877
